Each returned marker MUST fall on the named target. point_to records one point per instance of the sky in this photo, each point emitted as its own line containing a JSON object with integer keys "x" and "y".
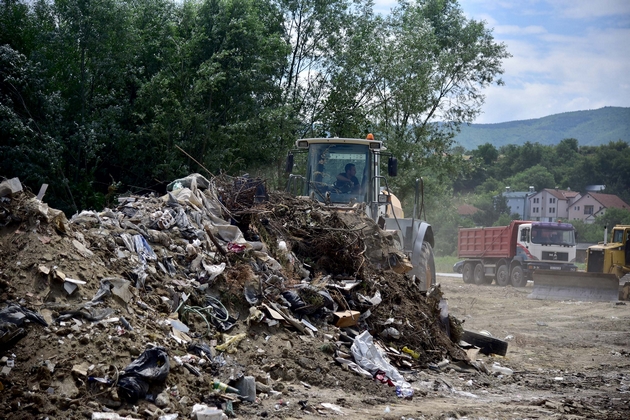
{"x": 567, "y": 55}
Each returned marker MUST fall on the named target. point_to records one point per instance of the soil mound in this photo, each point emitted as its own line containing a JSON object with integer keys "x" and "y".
{"x": 144, "y": 309}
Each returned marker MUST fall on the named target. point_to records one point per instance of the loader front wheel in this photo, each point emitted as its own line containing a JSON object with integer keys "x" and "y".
{"x": 426, "y": 266}
{"x": 467, "y": 273}
{"x": 503, "y": 276}
{"x": 518, "y": 278}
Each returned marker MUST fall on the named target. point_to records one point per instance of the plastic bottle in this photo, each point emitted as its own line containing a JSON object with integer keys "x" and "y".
{"x": 220, "y": 386}
{"x": 501, "y": 369}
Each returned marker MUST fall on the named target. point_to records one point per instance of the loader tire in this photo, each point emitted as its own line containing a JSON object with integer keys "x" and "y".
{"x": 479, "y": 276}
{"x": 518, "y": 278}
{"x": 467, "y": 273}
{"x": 426, "y": 266}
{"x": 487, "y": 345}
{"x": 503, "y": 275}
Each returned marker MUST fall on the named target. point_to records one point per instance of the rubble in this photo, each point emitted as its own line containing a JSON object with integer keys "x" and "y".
{"x": 143, "y": 308}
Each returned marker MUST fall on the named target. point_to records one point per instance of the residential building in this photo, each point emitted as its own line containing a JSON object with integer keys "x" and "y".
{"x": 594, "y": 204}
{"x": 517, "y": 202}
{"x": 551, "y": 204}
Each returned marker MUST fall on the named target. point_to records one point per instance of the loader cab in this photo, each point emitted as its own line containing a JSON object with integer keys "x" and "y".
{"x": 611, "y": 257}
{"x": 326, "y": 161}
{"x": 621, "y": 236}
{"x": 321, "y": 160}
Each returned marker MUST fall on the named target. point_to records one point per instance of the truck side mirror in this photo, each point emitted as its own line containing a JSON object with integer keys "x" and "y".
{"x": 392, "y": 166}
{"x": 289, "y": 166}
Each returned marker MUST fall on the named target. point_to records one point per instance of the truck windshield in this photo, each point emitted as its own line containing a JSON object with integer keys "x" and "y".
{"x": 339, "y": 170}
{"x": 552, "y": 236}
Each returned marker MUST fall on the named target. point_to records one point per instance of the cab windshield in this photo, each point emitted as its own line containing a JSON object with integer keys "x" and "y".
{"x": 551, "y": 236}
{"x": 618, "y": 236}
{"x": 327, "y": 175}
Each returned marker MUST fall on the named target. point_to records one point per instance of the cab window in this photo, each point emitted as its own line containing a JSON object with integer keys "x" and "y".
{"x": 525, "y": 235}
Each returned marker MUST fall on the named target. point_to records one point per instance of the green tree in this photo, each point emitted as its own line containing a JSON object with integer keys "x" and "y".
{"x": 612, "y": 217}
{"x": 217, "y": 95}
{"x": 492, "y": 207}
{"x": 487, "y": 153}
{"x": 434, "y": 67}
{"x": 27, "y": 113}
{"x": 537, "y": 176}
{"x": 587, "y": 233}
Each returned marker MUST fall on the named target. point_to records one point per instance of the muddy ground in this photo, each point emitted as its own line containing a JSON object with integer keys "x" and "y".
{"x": 570, "y": 359}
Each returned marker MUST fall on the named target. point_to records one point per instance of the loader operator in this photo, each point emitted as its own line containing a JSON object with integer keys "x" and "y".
{"x": 347, "y": 182}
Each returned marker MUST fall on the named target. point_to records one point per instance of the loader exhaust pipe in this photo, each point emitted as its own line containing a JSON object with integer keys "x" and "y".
{"x": 605, "y": 234}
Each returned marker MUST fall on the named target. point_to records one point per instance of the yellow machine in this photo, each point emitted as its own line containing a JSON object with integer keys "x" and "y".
{"x": 611, "y": 257}
{"x": 607, "y": 270}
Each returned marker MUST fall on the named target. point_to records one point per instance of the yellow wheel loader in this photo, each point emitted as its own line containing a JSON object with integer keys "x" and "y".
{"x": 607, "y": 271}
{"x": 611, "y": 257}
{"x": 345, "y": 174}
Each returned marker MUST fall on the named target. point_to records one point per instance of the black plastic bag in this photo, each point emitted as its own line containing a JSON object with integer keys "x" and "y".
{"x": 199, "y": 347}
{"x": 12, "y": 317}
{"x": 132, "y": 388}
{"x": 294, "y": 299}
{"x": 16, "y": 314}
{"x": 151, "y": 366}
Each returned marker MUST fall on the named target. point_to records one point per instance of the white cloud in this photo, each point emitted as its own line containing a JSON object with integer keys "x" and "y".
{"x": 567, "y": 55}
{"x": 519, "y": 30}
{"x": 558, "y": 65}
{"x": 586, "y": 9}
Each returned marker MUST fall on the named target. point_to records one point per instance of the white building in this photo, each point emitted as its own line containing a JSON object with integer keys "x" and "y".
{"x": 594, "y": 204}
{"x": 552, "y": 204}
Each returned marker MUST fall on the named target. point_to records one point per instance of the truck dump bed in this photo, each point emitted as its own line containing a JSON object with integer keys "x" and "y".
{"x": 488, "y": 242}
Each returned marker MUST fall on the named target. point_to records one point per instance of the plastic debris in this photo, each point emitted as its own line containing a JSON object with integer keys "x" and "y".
{"x": 231, "y": 342}
{"x": 151, "y": 366}
{"x": 370, "y": 358}
{"x": 501, "y": 370}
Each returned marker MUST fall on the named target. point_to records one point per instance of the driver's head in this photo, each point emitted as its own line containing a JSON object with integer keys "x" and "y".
{"x": 351, "y": 170}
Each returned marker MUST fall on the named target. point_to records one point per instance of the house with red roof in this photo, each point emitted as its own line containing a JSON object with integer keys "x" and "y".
{"x": 551, "y": 204}
{"x": 467, "y": 210}
{"x": 594, "y": 204}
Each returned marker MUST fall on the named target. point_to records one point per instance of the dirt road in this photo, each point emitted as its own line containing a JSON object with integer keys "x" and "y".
{"x": 570, "y": 360}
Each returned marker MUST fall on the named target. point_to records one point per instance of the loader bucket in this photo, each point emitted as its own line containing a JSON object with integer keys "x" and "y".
{"x": 565, "y": 285}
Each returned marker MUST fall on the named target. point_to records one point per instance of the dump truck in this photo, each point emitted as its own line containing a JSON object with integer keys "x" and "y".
{"x": 607, "y": 269}
{"x": 324, "y": 165}
{"x": 510, "y": 254}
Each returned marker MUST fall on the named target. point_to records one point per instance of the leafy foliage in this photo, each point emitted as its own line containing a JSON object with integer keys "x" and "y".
{"x": 102, "y": 96}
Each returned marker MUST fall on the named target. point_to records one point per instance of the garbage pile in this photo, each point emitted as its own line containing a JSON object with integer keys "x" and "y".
{"x": 215, "y": 298}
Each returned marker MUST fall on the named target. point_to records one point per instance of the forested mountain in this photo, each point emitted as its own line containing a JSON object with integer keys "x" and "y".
{"x": 591, "y": 128}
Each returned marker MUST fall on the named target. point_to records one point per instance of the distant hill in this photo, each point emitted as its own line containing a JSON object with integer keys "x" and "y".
{"x": 590, "y": 128}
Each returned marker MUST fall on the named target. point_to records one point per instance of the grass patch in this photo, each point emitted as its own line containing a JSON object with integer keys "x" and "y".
{"x": 445, "y": 264}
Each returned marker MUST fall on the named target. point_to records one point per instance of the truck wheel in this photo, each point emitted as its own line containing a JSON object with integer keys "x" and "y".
{"x": 518, "y": 279}
{"x": 503, "y": 276}
{"x": 479, "y": 275}
{"x": 467, "y": 273}
{"x": 426, "y": 266}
